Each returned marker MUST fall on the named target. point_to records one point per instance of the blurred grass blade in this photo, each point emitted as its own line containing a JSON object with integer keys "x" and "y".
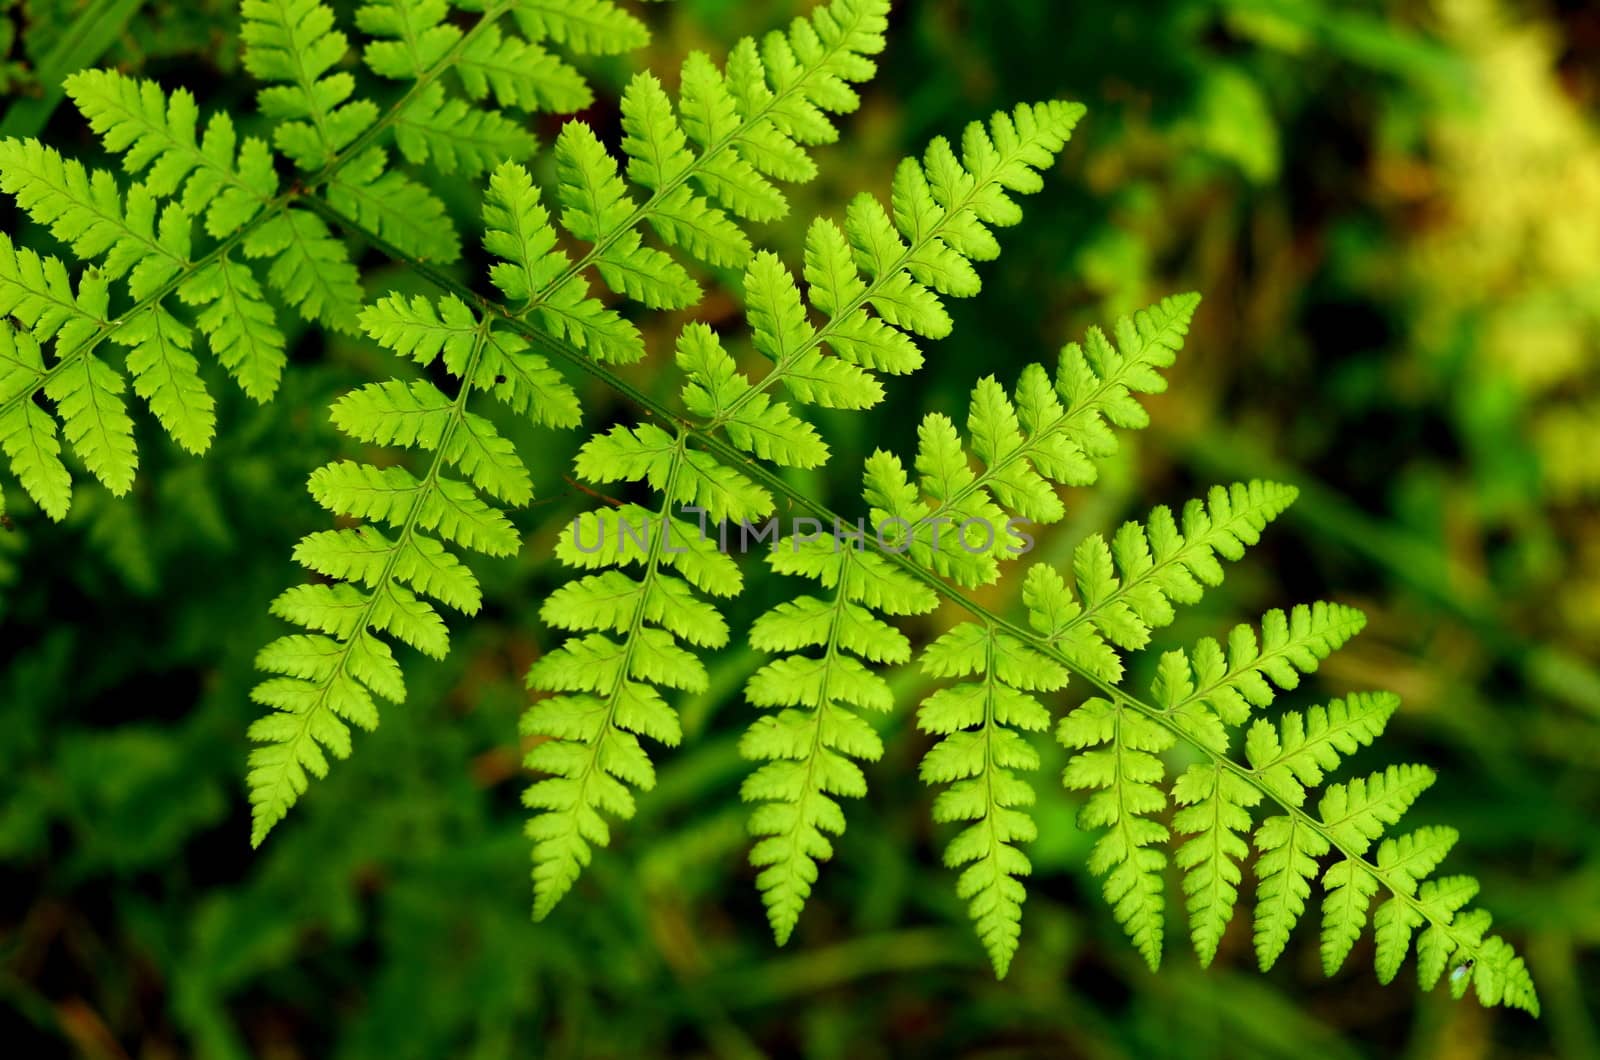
{"x": 81, "y": 45}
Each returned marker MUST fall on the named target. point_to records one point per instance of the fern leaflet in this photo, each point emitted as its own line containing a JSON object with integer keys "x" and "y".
{"x": 258, "y": 233}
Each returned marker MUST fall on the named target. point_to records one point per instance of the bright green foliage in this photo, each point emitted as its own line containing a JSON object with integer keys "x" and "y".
{"x": 521, "y": 74}
{"x": 292, "y": 44}
{"x": 1129, "y": 587}
{"x": 747, "y": 125}
{"x": 167, "y": 375}
{"x": 256, "y": 233}
{"x": 396, "y": 207}
{"x": 1049, "y": 432}
{"x": 1211, "y": 688}
{"x": 941, "y": 210}
{"x": 1117, "y": 759}
{"x": 610, "y": 690}
{"x": 599, "y": 27}
{"x": 810, "y": 746}
{"x": 1286, "y": 762}
{"x": 693, "y": 169}
{"x": 701, "y": 168}
{"x": 383, "y": 569}
{"x": 979, "y": 754}
{"x": 1216, "y": 805}
{"x": 751, "y": 419}
{"x": 869, "y": 285}
{"x": 1116, "y": 595}
{"x": 1302, "y": 747}
{"x": 212, "y": 174}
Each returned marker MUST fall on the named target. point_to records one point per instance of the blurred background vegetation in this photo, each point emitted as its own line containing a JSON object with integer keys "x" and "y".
{"x": 1393, "y": 211}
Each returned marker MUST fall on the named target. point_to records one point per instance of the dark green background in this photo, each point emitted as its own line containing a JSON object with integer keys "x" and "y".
{"x": 1394, "y": 214}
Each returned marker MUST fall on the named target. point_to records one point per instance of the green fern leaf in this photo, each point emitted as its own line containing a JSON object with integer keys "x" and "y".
{"x": 455, "y": 137}
{"x": 878, "y": 271}
{"x": 294, "y": 43}
{"x": 597, "y": 27}
{"x": 239, "y": 324}
{"x": 37, "y": 291}
{"x": 418, "y": 36}
{"x": 810, "y": 745}
{"x": 166, "y": 374}
{"x": 95, "y": 420}
{"x": 690, "y": 170}
{"x": 85, "y": 209}
{"x": 217, "y": 177}
{"x": 310, "y": 268}
{"x": 400, "y": 210}
{"x": 27, "y": 432}
{"x": 980, "y": 754}
{"x": 1216, "y": 812}
{"x": 756, "y": 424}
{"x": 1117, "y": 760}
{"x": 1289, "y": 848}
{"x": 378, "y": 576}
{"x": 1209, "y": 688}
{"x": 1344, "y": 911}
{"x": 521, "y": 74}
{"x": 203, "y": 169}
{"x": 1295, "y": 755}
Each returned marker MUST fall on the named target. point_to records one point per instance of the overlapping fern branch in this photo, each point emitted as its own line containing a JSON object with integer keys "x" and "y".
{"x": 151, "y": 279}
{"x": 715, "y": 160}
{"x": 874, "y": 284}
{"x": 1080, "y": 623}
{"x": 646, "y": 606}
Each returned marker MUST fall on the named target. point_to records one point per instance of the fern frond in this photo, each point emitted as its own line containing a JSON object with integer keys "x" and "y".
{"x": 1117, "y": 759}
{"x": 28, "y": 432}
{"x": 1130, "y": 586}
{"x": 85, "y": 209}
{"x": 810, "y": 746}
{"x": 38, "y": 292}
{"x": 167, "y": 375}
{"x": 205, "y": 170}
{"x": 328, "y": 677}
{"x": 378, "y": 577}
{"x": 639, "y": 608}
{"x": 86, "y": 392}
{"x": 1002, "y": 156}
{"x": 396, "y": 207}
{"x": 733, "y": 128}
{"x": 597, "y": 27}
{"x": 980, "y": 754}
{"x": 213, "y": 175}
{"x": 1049, "y": 436}
{"x": 961, "y": 200}
{"x": 294, "y": 45}
{"x": 1127, "y": 589}
{"x": 609, "y": 692}
{"x": 875, "y": 289}
{"x": 239, "y": 324}
{"x": 455, "y": 137}
{"x": 1285, "y": 762}
{"x": 1216, "y": 812}
{"x": 791, "y": 818}
{"x": 1211, "y": 687}
{"x": 521, "y": 74}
